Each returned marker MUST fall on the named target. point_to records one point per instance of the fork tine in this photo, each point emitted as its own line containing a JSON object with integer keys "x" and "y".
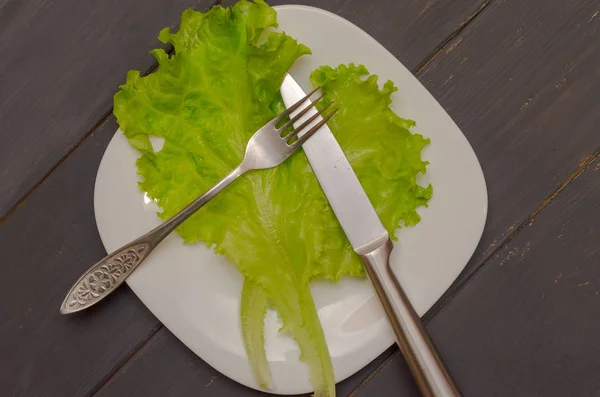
{"x": 307, "y": 122}
{"x": 295, "y": 106}
{"x": 312, "y": 131}
{"x": 300, "y": 114}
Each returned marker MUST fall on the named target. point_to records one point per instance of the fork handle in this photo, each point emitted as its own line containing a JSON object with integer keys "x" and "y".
{"x": 430, "y": 373}
{"x": 109, "y": 273}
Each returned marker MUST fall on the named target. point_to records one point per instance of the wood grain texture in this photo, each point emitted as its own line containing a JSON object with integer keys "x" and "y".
{"x": 526, "y": 324}
{"x": 45, "y": 246}
{"x": 522, "y": 82}
{"x": 48, "y": 111}
{"x": 61, "y": 63}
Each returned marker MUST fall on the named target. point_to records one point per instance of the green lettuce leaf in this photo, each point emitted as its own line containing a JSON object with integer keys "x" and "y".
{"x": 383, "y": 152}
{"x": 206, "y": 101}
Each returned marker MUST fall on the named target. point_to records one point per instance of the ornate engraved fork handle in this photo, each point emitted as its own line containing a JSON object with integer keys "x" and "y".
{"x": 104, "y": 277}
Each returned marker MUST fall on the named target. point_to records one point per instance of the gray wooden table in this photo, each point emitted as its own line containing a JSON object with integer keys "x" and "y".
{"x": 520, "y": 78}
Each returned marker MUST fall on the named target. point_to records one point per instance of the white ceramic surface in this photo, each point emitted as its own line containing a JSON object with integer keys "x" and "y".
{"x": 196, "y": 293}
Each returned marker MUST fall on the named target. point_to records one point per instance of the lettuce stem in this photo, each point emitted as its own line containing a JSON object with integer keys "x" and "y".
{"x": 253, "y": 309}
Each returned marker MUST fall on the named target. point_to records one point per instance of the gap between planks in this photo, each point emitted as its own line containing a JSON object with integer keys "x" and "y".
{"x": 507, "y": 239}
{"x": 444, "y": 45}
{"x": 55, "y": 167}
{"x": 132, "y": 354}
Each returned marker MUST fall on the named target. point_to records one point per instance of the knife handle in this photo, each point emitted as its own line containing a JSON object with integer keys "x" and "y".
{"x": 425, "y": 363}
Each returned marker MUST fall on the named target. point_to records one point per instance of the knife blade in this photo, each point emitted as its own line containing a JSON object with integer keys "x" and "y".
{"x": 372, "y": 243}
{"x": 348, "y": 199}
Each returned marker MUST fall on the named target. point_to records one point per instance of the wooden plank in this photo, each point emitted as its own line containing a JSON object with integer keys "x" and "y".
{"x": 526, "y": 325}
{"x": 525, "y": 92}
{"x": 42, "y": 352}
{"x": 45, "y": 245}
{"x": 61, "y": 63}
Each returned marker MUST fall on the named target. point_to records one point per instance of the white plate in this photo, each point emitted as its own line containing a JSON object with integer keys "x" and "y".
{"x": 196, "y": 293}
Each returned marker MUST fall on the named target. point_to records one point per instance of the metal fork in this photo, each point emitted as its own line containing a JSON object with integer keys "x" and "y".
{"x": 267, "y": 148}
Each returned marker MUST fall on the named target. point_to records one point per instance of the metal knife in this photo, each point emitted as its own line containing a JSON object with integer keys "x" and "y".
{"x": 371, "y": 241}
